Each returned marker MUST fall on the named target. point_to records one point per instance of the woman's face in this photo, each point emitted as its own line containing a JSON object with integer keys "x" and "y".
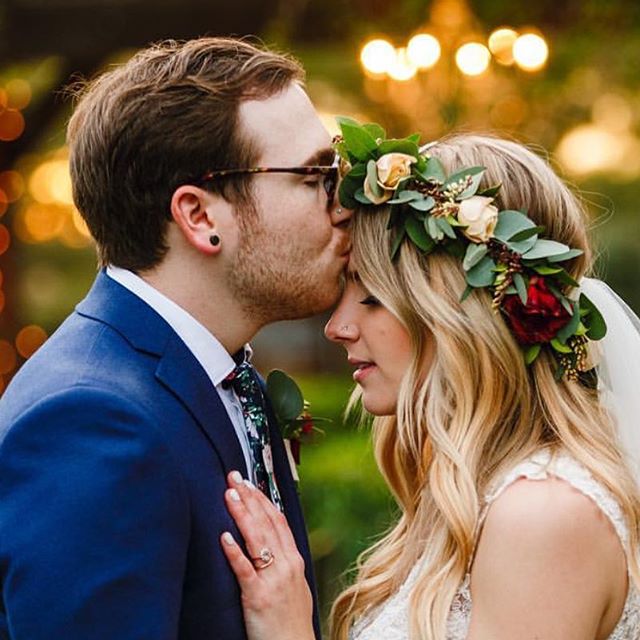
{"x": 377, "y": 345}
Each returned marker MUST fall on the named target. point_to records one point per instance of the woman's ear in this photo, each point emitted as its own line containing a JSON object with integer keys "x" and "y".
{"x": 195, "y": 211}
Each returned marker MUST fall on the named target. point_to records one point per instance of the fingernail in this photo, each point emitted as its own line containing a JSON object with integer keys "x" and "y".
{"x": 236, "y": 476}
{"x": 228, "y": 538}
{"x": 249, "y": 484}
{"x": 234, "y": 495}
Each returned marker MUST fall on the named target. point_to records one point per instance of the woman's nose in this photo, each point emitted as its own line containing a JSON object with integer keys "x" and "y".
{"x": 338, "y": 330}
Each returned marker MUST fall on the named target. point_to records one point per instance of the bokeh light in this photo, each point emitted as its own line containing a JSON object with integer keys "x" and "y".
{"x": 8, "y": 357}
{"x": 40, "y": 223}
{"x": 530, "y": 51}
{"x": 423, "y": 50}
{"x": 4, "y": 202}
{"x": 18, "y": 93}
{"x": 402, "y": 68}
{"x": 377, "y": 56}
{"x": 590, "y": 149}
{"x": 11, "y": 125}
{"x": 29, "y": 340}
{"x": 12, "y": 184}
{"x": 501, "y": 43}
{"x": 50, "y": 183}
{"x": 473, "y": 58}
{"x": 613, "y": 112}
{"x": 5, "y": 239}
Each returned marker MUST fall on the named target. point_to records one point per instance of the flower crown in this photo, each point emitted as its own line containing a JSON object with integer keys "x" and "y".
{"x": 501, "y": 251}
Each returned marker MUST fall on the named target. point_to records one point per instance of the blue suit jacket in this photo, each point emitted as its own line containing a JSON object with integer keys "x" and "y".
{"x": 114, "y": 451}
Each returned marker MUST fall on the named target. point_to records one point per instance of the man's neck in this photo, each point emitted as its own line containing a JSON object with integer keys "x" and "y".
{"x": 211, "y": 305}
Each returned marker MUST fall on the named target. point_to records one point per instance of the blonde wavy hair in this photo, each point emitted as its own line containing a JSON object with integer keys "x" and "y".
{"x": 478, "y": 410}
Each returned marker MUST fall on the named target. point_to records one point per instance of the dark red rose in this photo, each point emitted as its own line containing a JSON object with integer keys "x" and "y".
{"x": 307, "y": 426}
{"x": 541, "y": 318}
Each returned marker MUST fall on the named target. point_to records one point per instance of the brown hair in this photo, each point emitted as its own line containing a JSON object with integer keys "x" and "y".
{"x": 162, "y": 119}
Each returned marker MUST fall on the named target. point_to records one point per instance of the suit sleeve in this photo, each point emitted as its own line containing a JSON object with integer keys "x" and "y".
{"x": 93, "y": 522}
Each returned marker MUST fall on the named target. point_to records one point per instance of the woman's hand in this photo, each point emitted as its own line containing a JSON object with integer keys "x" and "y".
{"x": 276, "y": 599}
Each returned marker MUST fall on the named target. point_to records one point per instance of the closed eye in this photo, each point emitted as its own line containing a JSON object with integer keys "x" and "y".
{"x": 370, "y": 301}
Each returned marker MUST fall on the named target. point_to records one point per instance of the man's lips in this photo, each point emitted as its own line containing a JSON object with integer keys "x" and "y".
{"x": 363, "y": 368}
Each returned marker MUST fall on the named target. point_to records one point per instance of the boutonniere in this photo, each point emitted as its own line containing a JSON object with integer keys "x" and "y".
{"x": 296, "y": 423}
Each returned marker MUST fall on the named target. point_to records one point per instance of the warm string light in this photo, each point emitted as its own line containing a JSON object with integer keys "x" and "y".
{"x": 529, "y": 51}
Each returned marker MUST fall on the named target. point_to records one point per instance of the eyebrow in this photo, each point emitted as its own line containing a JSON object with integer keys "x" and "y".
{"x": 322, "y": 157}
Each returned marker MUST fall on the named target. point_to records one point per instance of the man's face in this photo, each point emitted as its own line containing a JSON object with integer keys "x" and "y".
{"x": 290, "y": 260}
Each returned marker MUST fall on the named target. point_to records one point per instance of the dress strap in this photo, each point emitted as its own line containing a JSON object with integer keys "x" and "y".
{"x": 545, "y": 464}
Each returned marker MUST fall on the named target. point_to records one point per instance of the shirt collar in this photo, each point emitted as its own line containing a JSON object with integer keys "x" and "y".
{"x": 207, "y": 350}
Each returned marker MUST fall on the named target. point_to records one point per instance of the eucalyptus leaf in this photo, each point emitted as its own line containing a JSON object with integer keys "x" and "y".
{"x": 596, "y": 325}
{"x": 559, "y": 347}
{"x": 358, "y": 170}
{"x": 349, "y": 186}
{"x": 526, "y": 234}
{"x": 398, "y": 237}
{"x": 396, "y": 145}
{"x": 532, "y": 353}
{"x": 573, "y": 253}
{"x": 490, "y": 192}
{"x": 564, "y": 278}
{"x": 424, "y": 204}
{"x": 360, "y": 142}
{"x": 482, "y": 274}
{"x": 372, "y": 179}
{"x": 544, "y": 270}
{"x": 570, "y": 328}
{"x": 418, "y": 234}
{"x": 434, "y": 171}
{"x": 286, "y": 398}
{"x": 375, "y": 130}
{"x": 511, "y": 223}
{"x": 476, "y": 174}
{"x": 406, "y": 196}
{"x": 447, "y": 229}
{"x": 434, "y": 230}
{"x": 545, "y": 249}
{"x": 465, "y": 294}
{"x": 360, "y": 197}
{"x": 475, "y": 253}
{"x": 521, "y": 287}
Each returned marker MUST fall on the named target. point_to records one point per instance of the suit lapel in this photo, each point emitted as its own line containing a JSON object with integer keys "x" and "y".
{"x": 178, "y": 370}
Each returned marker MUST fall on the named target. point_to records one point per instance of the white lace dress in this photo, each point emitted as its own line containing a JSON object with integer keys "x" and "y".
{"x": 390, "y": 621}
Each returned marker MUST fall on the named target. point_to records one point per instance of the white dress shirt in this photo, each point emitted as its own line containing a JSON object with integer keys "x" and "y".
{"x": 208, "y": 351}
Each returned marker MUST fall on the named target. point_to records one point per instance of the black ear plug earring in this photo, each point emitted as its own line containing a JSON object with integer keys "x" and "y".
{"x": 215, "y": 239}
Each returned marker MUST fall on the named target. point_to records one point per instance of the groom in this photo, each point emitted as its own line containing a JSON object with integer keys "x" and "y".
{"x": 117, "y": 436}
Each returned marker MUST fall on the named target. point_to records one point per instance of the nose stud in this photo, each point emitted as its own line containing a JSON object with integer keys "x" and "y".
{"x": 338, "y": 211}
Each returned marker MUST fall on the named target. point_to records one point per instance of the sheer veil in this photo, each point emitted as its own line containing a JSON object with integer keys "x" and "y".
{"x": 619, "y": 367}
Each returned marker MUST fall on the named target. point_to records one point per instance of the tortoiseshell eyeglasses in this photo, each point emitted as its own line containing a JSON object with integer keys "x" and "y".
{"x": 330, "y": 173}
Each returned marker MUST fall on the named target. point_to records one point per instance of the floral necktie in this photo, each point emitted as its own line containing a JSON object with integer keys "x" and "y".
{"x": 244, "y": 382}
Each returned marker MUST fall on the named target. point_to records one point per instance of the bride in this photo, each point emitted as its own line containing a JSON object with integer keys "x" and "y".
{"x": 474, "y": 334}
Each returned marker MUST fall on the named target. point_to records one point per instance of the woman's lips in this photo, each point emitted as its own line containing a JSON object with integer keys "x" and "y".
{"x": 363, "y": 369}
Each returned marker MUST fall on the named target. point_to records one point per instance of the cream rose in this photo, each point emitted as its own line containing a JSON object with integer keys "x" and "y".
{"x": 479, "y": 216}
{"x": 390, "y": 169}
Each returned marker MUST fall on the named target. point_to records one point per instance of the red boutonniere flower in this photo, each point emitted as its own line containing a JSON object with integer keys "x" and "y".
{"x": 540, "y": 319}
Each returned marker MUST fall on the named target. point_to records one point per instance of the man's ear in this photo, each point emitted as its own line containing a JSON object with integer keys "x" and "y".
{"x": 194, "y": 211}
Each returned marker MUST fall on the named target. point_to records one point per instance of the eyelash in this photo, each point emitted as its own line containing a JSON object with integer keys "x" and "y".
{"x": 370, "y": 301}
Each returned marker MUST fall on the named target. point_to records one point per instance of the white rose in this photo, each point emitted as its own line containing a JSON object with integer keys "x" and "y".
{"x": 479, "y": 216}
{"x": 390, "y": 169}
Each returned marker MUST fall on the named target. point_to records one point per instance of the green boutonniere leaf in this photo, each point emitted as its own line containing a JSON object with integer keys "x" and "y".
{"x": 286, "y": 398}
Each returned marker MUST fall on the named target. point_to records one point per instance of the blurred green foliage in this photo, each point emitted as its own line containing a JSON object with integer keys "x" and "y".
{"x": 346, "y": 503}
